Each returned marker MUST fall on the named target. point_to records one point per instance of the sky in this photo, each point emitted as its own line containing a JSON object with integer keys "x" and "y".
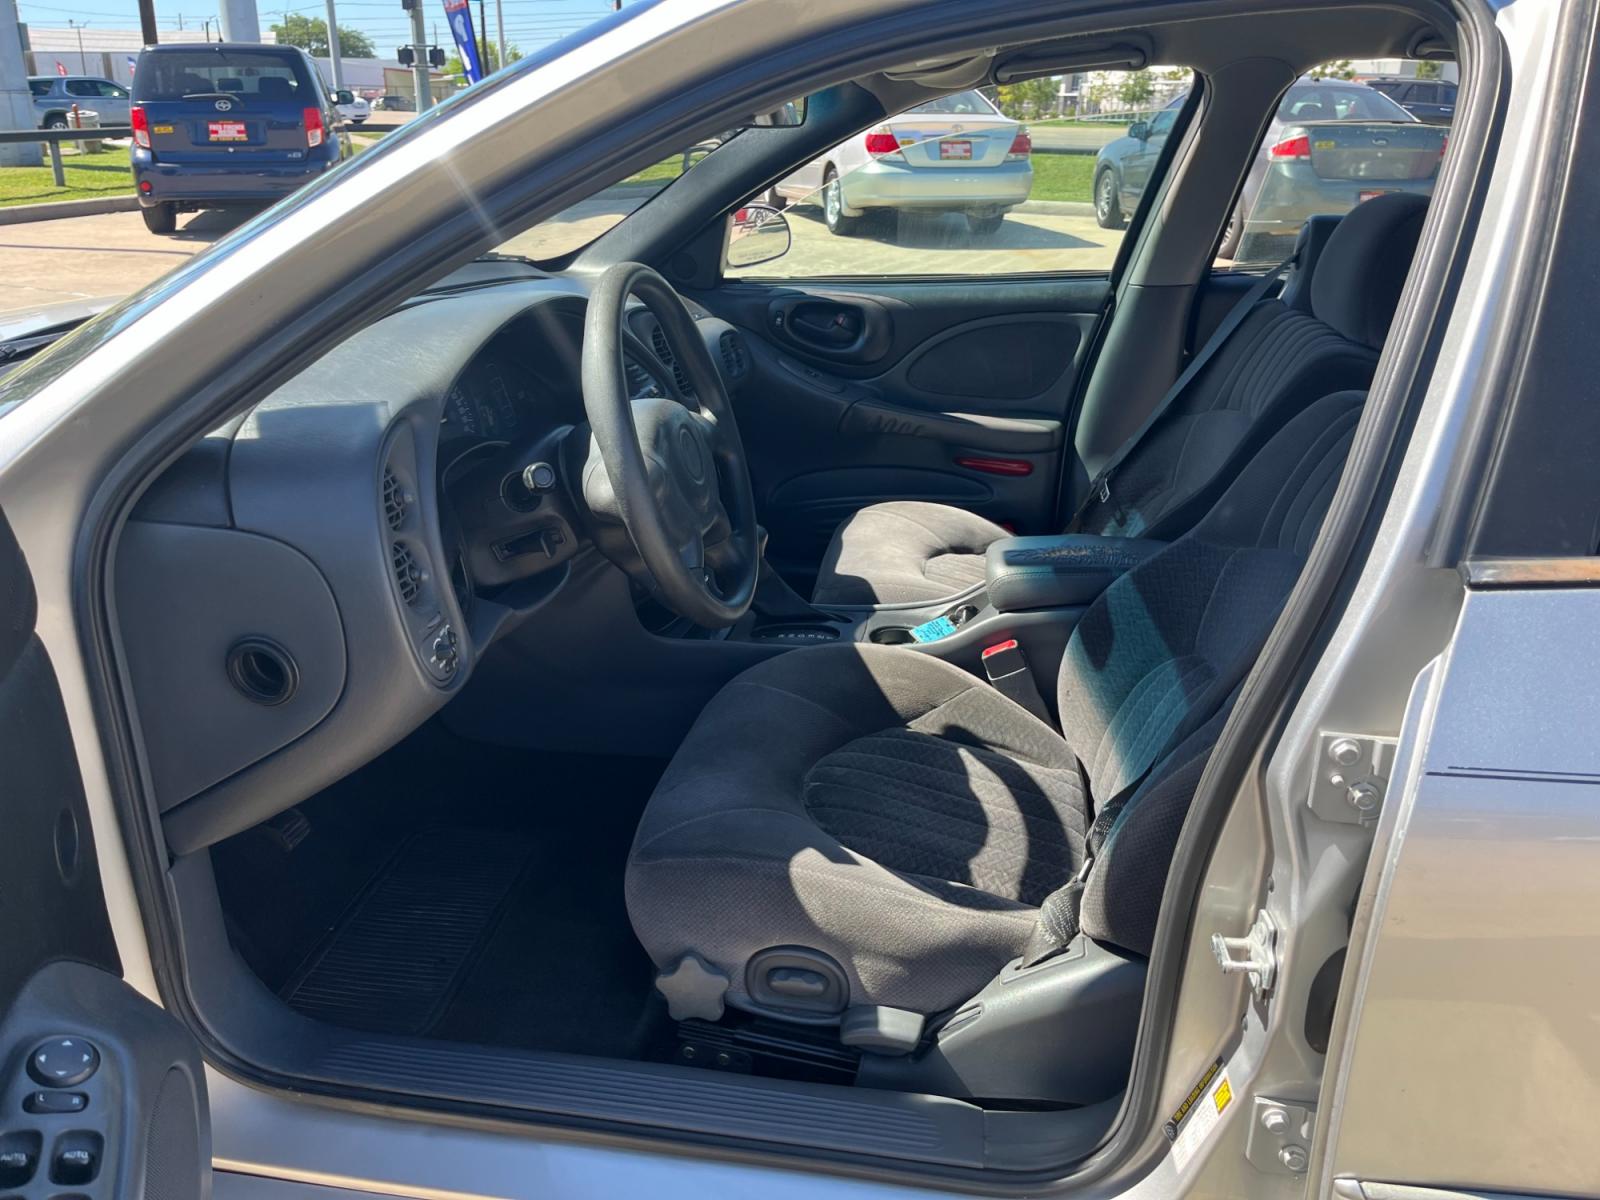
{"x": 530, "y": 24}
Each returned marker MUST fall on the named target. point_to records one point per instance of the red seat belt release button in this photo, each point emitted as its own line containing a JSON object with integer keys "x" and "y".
{"x": 1008, "y": 671}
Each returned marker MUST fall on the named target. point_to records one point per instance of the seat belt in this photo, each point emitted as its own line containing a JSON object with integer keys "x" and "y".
{"x": 1058, "y": 915}
{"x": 1100, "y": 489}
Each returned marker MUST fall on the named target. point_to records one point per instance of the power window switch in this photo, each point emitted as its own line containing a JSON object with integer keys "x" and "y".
{"x": 74, "y": 1165}
{"x": 55, "y": 1102}
{"x": 16, "y": 1166}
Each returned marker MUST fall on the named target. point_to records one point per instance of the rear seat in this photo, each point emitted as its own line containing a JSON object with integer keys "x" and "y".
{"x": 1322, "y": 336}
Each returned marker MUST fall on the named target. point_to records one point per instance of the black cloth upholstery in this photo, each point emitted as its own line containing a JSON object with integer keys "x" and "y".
{"x": 1281, "y": 358}
{"x": 901, "y": 816}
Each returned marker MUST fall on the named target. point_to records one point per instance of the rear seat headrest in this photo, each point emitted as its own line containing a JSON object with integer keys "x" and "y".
{"x": 1360, "y": 273}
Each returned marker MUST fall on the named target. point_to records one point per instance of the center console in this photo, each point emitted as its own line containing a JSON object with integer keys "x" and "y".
{"x": 1034, "y": 591}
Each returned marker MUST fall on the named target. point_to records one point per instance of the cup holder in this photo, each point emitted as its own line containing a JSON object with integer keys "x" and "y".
{"x": 262, "y": 671}
{"x": 891, "y": 635}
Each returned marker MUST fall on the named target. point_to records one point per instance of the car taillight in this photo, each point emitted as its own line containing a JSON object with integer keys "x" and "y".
{"x": 141, "y": 127}
{"x": 881, "y": 141}
{"x": 313, "y": 120}
{"x": 1021, "y": 146}
{"x": 1296, "y": 147}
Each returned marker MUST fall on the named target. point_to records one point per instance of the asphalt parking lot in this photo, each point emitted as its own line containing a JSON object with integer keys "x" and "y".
{"x": 112, "y": 254}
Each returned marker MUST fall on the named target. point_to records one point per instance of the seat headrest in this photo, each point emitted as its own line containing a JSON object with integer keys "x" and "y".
{"x": 1361, "y": 271}
{"x": 1308, "y": 248}
{"x": 274, "y": 87}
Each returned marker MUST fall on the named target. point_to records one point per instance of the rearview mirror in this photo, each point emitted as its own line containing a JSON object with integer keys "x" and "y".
{"x": 1140, "y": 130}
{"x": 757, "y": 233}
{"x": 786, "y": 116}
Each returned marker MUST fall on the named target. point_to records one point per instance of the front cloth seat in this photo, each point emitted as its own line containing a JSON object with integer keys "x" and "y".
{"x": 1280, "y": 358}
{"x": 880, "y": 815}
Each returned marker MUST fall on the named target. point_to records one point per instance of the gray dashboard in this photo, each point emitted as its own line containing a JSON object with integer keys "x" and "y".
{"x": 290, "y": 599}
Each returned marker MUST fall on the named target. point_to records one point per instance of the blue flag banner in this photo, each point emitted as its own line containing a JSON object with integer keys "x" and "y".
{"x": 459, "y": 14}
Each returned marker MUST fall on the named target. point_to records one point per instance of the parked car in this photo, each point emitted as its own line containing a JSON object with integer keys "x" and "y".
{"x": 226, "y": 124}
{"x": 54, "y": 96}
{"x": 1430, "y": 100}
{"x": 955, "y": 154}
{"x": 1330, "y": 145}
{"x": 351, "y": 107}
{"x": 394, "y": 103}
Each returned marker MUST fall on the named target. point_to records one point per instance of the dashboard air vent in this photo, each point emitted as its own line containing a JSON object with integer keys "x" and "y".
{"x": 407, "y": 572}
{"x": 734, "y": 355}
{"x": 658, "y": 343}
{"x": 640, "y": 382}
{"x": 395, "y": 501}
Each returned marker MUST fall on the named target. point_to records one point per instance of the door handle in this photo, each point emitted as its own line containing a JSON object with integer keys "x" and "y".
{"x": 850, "y": 330}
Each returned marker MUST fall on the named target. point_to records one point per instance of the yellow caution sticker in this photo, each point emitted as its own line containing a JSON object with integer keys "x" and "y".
{"x": 1223, "y": 1094}
{"x": 163, "y": 128}
{"x": 1325, "y": 144}
{"x": 1200, "y": 1114}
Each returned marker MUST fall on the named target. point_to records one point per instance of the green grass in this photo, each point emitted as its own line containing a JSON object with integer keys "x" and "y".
{"x": 88, "y": 175}
{"x": 1063, "y": 177}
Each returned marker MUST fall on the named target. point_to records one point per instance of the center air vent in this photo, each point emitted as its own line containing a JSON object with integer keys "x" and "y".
{"x": 408, "y": 574}
{"x": 658, "y": 343}
{"x": 734, "y": 355}
{"x": 395, "y": 500}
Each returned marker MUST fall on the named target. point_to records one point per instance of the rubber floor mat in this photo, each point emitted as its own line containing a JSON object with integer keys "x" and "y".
{"x": 394, "y": 961}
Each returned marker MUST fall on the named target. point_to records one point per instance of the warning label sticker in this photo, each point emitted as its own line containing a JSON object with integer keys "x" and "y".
{"x": 1199, "y": 1114}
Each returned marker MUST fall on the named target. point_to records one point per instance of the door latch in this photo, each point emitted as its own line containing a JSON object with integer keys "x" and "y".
{"x": 1255, "y": 954}
{"x": 1352, "y": 777}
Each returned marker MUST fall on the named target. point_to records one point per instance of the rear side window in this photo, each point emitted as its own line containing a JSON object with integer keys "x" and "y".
{"x": 173, "y": 75}
{"x": 39, "y": 87}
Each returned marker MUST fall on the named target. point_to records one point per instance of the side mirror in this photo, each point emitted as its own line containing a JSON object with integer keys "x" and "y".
{"x": 757, "y": 233}
{"x": 344, "y": 96}
{"x": 1140, "y": 130}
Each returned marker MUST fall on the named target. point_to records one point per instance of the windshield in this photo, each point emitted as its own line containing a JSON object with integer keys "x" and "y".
{"x": 1312, "y": 103}
{"x": 575, "y": 227}
{"x": 172, "y": 75}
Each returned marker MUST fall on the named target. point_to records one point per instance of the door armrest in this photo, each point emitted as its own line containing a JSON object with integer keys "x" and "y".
{"x": 1064, "y": 571}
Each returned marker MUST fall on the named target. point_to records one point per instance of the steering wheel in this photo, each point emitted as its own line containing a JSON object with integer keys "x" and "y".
{"x": 671, "y": 470}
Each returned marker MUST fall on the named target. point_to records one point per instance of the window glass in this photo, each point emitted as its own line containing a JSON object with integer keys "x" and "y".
{"x": 172, "y": 75}
{"x": 577, "y": 226}
{"x": 1332, "y": 144}
{"x": 1040, "y": 176}
{"x": 82, "y": 87}
{"x": 39, "y": 87}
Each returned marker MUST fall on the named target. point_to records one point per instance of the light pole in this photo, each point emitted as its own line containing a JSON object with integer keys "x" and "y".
{"x": 333, "y": 48}
{"x": 500, "y": 29}
{"x": 79, "y": 27}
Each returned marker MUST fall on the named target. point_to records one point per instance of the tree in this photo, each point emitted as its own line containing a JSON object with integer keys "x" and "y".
{"x": 1429, "y": 70}
{"x": 1030, "y": 98}
{"x": 311, "y": 35}
{"x": 1339, "y": 68}
{"x": 1136, "y": 88}
{"x": 453, "y": 64}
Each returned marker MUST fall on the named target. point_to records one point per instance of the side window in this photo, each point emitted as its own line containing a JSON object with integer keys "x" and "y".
{"x": 1332, "y": 144}
{"x": 39, "y": 87}
{"x": 1037, "y": 177}
{"x": 115, "y": 91}
{"x": 82, "y": 87}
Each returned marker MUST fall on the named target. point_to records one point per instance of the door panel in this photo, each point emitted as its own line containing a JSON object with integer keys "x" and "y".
{"x": 957, "y": 392}
{"x": 102, "y": 1095}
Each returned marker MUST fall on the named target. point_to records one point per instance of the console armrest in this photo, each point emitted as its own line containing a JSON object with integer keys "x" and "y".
{"x": 1059, "y": 572}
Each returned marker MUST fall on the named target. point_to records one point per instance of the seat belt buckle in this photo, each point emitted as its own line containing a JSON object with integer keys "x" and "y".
{"x": 1007, "y": 670}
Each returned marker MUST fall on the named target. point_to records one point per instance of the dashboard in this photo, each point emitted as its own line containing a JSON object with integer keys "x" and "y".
{"x": 311, "y": 582}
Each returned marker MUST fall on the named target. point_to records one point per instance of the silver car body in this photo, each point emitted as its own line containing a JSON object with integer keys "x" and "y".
{"x": 1418, "y": 1095}
{"x": 54, "y": 96}
{"x": 951, "y": 156}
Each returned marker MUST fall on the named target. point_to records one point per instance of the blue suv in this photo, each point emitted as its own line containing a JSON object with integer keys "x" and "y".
{"x": 225, "y": 124}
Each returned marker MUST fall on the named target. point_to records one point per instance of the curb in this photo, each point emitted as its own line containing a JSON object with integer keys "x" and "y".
{"x": 19, "y": 214}
{"x": 1059, "y": 208}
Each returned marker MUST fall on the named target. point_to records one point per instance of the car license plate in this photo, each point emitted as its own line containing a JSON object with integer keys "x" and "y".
{"x": 227, "y": 131}
{"x": 1365, "y": 196}
{"x": 961, "y": 150}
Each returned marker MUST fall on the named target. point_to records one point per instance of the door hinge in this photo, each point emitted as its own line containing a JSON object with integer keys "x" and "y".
{"x": 1255, "y": 954}
{"x": 1351, "y": 778}
{"x": 1279, "y": 1140}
